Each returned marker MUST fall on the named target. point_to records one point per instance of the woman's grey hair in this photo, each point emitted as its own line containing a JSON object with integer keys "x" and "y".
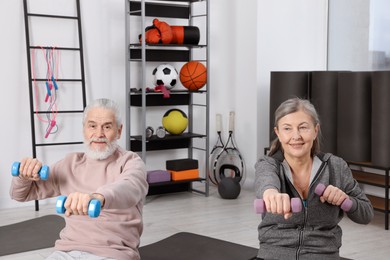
{"x": 291, "y": 106}
{"x": 106, "y": 104}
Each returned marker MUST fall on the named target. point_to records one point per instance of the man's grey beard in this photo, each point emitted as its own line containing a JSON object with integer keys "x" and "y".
{"x": 100, "y": 155}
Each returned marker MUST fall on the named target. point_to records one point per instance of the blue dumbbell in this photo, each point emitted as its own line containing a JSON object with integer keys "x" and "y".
{"x": 43, "y": 172}
{"x": 94, "y": 207}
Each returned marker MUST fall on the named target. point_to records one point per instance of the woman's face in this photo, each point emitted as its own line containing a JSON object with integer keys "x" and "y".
{"x": 296, "y": 133}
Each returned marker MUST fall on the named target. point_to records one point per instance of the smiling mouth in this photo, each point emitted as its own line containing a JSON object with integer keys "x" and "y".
{"x": 98, "y": 141}
{"x": 296, "y": 145}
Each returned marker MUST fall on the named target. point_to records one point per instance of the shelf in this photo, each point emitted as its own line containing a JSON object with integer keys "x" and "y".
{"x": 154, "y": 9}
{"x": 157, "y": 99}
{"x": 172, "y": 186}
{"x": 176, "y": 98}
{"x": 374, "y": 179}
{"x": 370, "y": 178}
{"x": 174, "y": 182}
{"x": 369, "y": 165}
{"x": 378, "y": 203}
{"x": 160, "y": 45}
{"x": 161, "y": 55}
{"x": 141, "y": 58}
{"x": 168, "y": 142}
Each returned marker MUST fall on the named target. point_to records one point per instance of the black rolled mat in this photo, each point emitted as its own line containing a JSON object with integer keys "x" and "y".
{"x": 354, "y": 116}
{"x": 323, "y": 95}
{"x": 380, "y": 147}
{"x": 191, "y": 246}
{"x": 285, "y": 85}
{"x": 30, "y": 235}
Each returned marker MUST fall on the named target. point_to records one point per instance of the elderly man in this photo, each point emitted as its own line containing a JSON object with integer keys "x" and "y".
{"x": 106, "y": 172}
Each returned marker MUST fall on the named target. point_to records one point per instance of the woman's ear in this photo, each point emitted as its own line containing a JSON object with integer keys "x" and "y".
{"x": 316, "y": 130}
{"x": 276, "y": 131}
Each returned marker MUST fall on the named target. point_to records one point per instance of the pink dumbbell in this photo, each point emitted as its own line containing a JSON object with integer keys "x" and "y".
{"x": 347, "y": 203}
{"x": 259, "y": 205}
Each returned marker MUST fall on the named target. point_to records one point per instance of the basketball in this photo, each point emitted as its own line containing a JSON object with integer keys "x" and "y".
{"x": 193, "y": 75}
{"x": 175, "y": 121}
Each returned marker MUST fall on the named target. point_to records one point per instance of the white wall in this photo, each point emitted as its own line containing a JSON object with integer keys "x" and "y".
{"x": 247, "y": 42}
{"x": 349, "y": 35}
{"x": 234, "y": 73}
{"x": 104, "y": 53}
{"x": 292, "y": 36}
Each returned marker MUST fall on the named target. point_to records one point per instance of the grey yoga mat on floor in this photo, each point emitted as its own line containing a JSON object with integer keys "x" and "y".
{"x": 30, "y": 235}
{"x": 286, "y": 85}
{"x": 354, "y": 116}
{"x": 191, "y": 246}
{"x": 380, "y": 147}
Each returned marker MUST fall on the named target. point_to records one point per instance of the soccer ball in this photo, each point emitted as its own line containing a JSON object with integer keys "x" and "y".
{"x": 165, "y": 75}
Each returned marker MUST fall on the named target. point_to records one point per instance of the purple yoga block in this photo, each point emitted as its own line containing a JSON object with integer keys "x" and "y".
{"x": 158, "y": 176}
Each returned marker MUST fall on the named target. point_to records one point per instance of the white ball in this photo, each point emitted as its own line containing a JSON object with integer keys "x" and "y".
{"x": 166, "y": 75}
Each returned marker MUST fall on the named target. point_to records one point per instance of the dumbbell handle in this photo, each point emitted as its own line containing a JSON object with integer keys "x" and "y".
{"x": 347, "y": 203}
{"x": 259, "y": 205}
{"x": 94, "y": 206}
{"x": 43, "y": 172}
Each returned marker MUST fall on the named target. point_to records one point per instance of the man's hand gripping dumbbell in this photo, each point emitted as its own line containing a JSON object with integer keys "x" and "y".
{"x": 80, "y": 204}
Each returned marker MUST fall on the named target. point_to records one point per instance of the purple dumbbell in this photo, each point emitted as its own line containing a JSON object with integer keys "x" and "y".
{"x": 259, "y": 205}
{"x": 347, "y": 203}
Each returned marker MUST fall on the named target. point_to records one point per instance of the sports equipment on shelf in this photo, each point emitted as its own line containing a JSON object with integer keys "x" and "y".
{"x": 193, "y": 75}
{"x": 347, "y": 203}
{"x": 259, "y": 205}
{"x": 162, "y": 32}
{"x": 149, "y": 131}
{"x": 94, "y": 206}
{"x": 175, "y": 121}
{"x": 43, "y": 172}
{"x": 165, "y": 75}
{"x": 160, "y": 132}
{"x": 229, "y": 162}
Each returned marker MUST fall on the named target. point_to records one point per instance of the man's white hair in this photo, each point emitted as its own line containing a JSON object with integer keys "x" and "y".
{"x": 106, "y": 104}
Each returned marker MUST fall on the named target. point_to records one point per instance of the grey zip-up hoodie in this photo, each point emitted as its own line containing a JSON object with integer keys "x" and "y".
{"x": 313, "y": 233}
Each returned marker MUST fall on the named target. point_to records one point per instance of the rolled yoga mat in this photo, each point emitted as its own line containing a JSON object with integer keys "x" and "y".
{"x": 286, "y": 85}
{"x": 323, "y": 95}
{"x": 354, "y": 116}
{"x": 380, "y": 118}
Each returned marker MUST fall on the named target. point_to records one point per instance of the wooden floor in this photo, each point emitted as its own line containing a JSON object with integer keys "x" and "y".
{"x": 231, "y": 220}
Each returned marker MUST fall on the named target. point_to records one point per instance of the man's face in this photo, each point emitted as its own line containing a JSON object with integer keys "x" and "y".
{"x": 101, "y": 132}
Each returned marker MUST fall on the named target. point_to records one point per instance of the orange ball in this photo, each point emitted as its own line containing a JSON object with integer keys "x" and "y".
{"x": 193, "y": 75}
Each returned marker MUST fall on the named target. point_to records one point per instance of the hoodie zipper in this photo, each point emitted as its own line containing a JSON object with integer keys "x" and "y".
{"x": 302, "y": 228}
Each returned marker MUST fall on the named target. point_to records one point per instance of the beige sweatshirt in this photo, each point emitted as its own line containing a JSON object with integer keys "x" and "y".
{"x": 121, "y": 179}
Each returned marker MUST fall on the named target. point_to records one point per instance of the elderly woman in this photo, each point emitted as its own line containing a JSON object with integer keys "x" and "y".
{"x": 293, "y": 169}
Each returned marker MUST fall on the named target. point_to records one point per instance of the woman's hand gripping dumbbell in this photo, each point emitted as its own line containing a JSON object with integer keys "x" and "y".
{"x": 280, "y": 204}
{"x": 343, "y": 201}
{"x": 260, "y": 208}
{"x": 79, "y": 204}
{"x": 43, "y": 172}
